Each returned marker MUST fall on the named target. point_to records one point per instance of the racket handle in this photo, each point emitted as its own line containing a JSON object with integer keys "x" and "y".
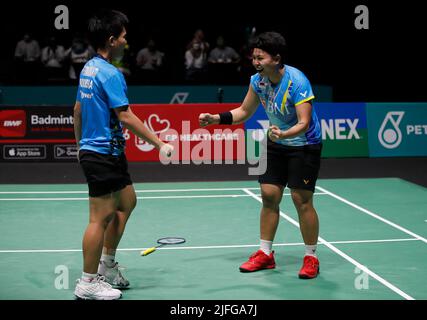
{"x": 148, "y": 251}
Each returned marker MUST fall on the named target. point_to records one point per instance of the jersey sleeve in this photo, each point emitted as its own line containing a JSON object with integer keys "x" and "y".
{"x": 302, "y": 91}
{"x": 116, "y": 91}
{"x": 254, "y": 83}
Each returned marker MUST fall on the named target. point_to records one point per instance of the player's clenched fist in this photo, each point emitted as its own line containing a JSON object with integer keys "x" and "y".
{"x": 274, "y": 133}
{"x": 206, "y": 119}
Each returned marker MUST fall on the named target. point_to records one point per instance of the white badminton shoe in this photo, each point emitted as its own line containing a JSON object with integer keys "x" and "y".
{"x": 97, "y": 289}
{"x": 113, "y": 275}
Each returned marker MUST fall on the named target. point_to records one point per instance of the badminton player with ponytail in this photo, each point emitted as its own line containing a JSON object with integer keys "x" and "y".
{"x": 100, "y": 113}
{"x": 293, "y": 147}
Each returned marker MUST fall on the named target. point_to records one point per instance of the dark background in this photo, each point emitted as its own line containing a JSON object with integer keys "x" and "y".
{"x": 386, "y": 63}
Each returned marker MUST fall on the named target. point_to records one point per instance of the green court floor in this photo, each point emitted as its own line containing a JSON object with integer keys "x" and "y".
{"x": 373, "y": 242}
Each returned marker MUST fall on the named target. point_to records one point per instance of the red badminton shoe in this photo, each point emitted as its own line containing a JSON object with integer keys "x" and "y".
{"x": 310, "y": 268}
{"x": 258, "y": 261}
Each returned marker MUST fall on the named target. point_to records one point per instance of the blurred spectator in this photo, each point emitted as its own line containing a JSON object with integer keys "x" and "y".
{"x": 78, "y": 54}
{"x": 223, "y": 62}
{"x": 52, "y": 57}
{"x": 195, "y": 63}
{"x": 199, "y": 36}
{"x": 27, "y": 55}
{"x": 28, "y": 49}
{"x": 149, "y": 62}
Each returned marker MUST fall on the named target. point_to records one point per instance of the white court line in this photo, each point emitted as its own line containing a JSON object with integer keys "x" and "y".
{"x": 373, "y": 215}
{"x": 137, "y": 191}
{"x": 342, "y": 254}
{"x": 210, "y": 247}
{"x": 141, "y": 198}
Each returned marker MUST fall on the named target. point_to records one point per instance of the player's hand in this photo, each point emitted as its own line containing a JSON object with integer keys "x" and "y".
{"x": 167, "y": 150}
{"x": 206, "y": 119}
{"x": 274, "y": 133}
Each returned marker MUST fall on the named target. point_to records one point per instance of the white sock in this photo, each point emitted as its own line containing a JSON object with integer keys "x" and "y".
{"x": 310, "y": 250}
{"x": 88, "y": 277}
{"x": 108, "y": 259}
{"x": 266, "y": 246}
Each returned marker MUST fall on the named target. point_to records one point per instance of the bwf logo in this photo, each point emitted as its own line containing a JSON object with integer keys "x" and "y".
{"x": 12, "y": 123}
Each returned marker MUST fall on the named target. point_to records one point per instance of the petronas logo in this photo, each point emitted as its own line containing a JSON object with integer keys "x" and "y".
{"x": 389, "y": 134}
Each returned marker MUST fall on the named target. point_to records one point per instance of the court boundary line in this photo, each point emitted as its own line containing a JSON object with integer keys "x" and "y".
{"x": 141, "y": 198}
{"x": 290, "y": 244}
{"x": 374, "y": 215}
{"x": 137, "y": 191}
{"x": 343, "y": 255}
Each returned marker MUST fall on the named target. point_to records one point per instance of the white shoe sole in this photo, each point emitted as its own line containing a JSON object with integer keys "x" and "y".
{"x": 104, "y": 298}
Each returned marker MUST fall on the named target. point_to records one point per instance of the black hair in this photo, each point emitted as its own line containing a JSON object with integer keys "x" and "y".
{"x": 271, "y": 42}
{"x": 103, "y": 25}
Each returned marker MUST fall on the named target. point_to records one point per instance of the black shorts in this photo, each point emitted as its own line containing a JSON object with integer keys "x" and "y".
{"x": 295, "y": 167}
{"x": 104, "y": 173}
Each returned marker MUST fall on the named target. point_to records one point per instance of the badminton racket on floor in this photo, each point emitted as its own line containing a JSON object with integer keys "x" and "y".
{"x": 163, "y": 242}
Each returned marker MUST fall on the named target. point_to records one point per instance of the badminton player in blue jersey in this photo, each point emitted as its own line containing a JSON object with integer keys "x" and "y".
{"x": 100, "y": 113}
{"x": 293, "y": 147}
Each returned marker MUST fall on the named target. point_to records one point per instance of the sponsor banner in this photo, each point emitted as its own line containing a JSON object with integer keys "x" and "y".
{"x": 178, "y": 124}
{"x": 36, "y": 122}
{"x": 344, "y": 129}
{"x": 397, "y": 129}
{"x": 41, "y": 133}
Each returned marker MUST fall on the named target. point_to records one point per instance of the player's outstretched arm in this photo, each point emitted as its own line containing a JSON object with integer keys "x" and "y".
{"x": 239, "y": 115}
{"x": 133, "y": 123}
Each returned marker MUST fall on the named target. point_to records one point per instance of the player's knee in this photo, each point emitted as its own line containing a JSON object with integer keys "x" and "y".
{"x": 301, "y": 202}
{"x": 102, "y": 219}
{"x": 270, "y": 200}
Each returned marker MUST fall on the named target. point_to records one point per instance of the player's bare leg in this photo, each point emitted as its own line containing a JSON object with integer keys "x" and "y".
{"x": 309, "y": 226}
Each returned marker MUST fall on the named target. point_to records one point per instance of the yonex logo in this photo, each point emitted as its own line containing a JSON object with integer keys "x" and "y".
{"x": 303, "y": 94}
{"x": 340, "y": 129}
